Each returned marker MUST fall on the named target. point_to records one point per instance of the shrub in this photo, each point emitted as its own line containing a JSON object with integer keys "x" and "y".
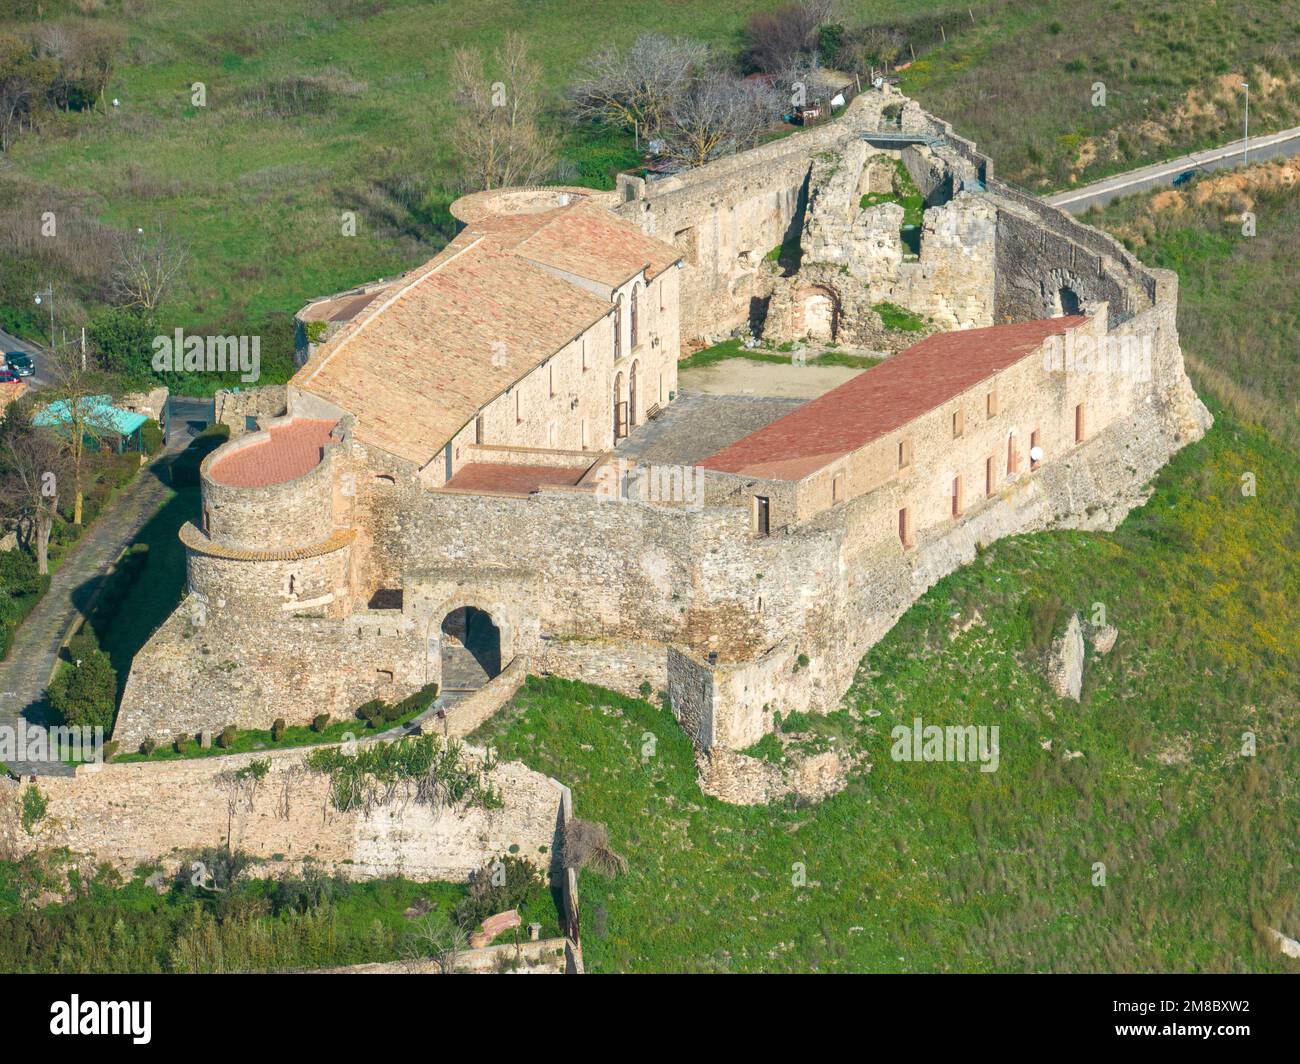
{"x": 34, "y": 807}
{"x": 277, "y": 730}
{"x": 151, "y": 437}
{"x": 227, "y": 737}
{"x": 508, "y": 882}
{"x": 86, "y": 694}
{"x": 320, "y": 722}
{"x": 586, "y": 844}
{"x": 645, "y": 689}
{"x": 147, "y": 747}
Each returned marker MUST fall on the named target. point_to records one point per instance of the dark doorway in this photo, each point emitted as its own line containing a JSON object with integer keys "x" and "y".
{"x": 1069, "y": 301}
{"x": 471, "y": 649}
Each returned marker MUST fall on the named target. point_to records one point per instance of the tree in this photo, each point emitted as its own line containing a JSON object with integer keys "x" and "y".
{"x": 76, "y": 382}
{"x": 145, "y": 266}
{"x": 31, "y": 463}
{"x": 86, "y": 694}
{"x": 636, "y": 88}
{"x": 24, "y": 80}
{"x": 123, "y": 337}
{"x": 719, "y": 115}
{"x": 775, "y": 39}
{"x": 497, "y": 134}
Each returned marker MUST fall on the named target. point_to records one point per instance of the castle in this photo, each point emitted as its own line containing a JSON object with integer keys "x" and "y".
{"x": 485, "y": 467}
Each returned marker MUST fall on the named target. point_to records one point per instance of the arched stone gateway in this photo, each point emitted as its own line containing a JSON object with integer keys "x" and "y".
{"x": 820, "y": 314}
{"x": 470, "y": 647}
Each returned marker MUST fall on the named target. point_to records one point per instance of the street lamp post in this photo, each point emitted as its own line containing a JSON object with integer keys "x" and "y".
{"x": 48, "y": 294}
{"x": 1245, "y": 152}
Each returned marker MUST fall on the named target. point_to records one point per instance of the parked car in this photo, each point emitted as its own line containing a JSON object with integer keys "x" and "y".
{"x": 1183, "y": 178}
{"x": 20, "y": 362}
{"x": 8, "y": 376}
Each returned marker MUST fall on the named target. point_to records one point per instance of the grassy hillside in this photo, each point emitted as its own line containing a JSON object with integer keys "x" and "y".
{"x": 938, "y": 867}
{"x": 342, "y": 105}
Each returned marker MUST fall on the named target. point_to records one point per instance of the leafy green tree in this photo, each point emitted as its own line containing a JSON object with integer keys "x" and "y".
{"x": 85, "y": 694}
{"x": 124, "y": 338}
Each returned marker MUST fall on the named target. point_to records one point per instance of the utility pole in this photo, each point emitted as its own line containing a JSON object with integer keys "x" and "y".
{"x": 1245, "y": 153}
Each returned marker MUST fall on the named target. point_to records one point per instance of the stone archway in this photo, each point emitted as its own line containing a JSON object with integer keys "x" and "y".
{"x": 818, "y": 312}
{"x": 470, "y": 647}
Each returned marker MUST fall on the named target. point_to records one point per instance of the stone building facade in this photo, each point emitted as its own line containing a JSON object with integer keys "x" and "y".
{"x": 458, "y": 444}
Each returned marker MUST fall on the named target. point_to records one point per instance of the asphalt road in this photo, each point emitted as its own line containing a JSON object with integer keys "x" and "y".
{"x": 1161, "y": 175}
{"x": 12, "y": 343}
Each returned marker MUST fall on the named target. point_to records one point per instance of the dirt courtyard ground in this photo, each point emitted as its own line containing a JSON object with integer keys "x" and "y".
{"x": 742, "y": 376}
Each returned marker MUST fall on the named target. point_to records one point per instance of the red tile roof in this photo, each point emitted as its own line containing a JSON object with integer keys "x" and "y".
{"x": 883, "y": 398}
{"x": 292, "y": 450}
{"x": 515, "y": 479}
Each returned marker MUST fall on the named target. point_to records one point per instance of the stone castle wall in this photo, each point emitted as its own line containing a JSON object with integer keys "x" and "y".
{"x": 138, "y": 813}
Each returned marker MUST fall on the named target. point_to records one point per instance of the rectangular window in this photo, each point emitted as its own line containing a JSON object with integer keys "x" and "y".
{"x": 991, "y": 404}
{"x": 519, "y": 415}
{"x": 1033, "y": 447}
{"x": 904, "y": 453}
{"x": 1078, "y": 424}
{"x": 990, "y": 478}
{"x": 762, "y": 515}
{"x": 837, "y": 487}
{"x": 905, "y": 527}
{"x": 550, "y": 380}
{"x": 584, "y": 354}
{"x": 478, "y": 429}
{"x": 956, "y": 497}
{"x": 958, "y": 423}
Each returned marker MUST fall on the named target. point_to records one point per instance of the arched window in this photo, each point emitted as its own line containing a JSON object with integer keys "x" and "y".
{"x": 618, "y": 327}
{"x": 632, "y": 322}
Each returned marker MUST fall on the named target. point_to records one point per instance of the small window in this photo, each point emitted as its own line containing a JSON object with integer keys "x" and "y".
{"x": 1078, "y": 424}
{"x": 383, "y": 480}
{"x": 956, "y": 497}
{"x": 584, "y": 354}
{"x": 250, "y": 423}
{"x": 905, "y": 527}
{"x": 383, "y": 677}
{"x": 991, "y": 404}
{"x": 904, "y": 453}
{"x": 207, "y": 521}
{"x": 632, "y": 322}
{"x": 478, "y": 429}
{"x": 550, "y": 380}
{"x": 1013, "y": 457}
{"x": 958, "y": 422}
{"x": 837, "y": 487}
{"x": 519, "y": 413}
{"x": 618, "y": 327}
{"x": 990, "y": 477}
{"x": 1034, "y": 463}
{"x": 762, "y": 515}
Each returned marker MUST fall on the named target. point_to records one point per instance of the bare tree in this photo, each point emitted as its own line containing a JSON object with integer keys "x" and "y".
{"x": 31, "y": 462}
{"x": 719, "y": 115}
{"x": 585, "y": 844}
{"x": 775, "y": 39}
{"x": 145, "y": 267}
{"x": 24, "y": 80}
{"x": 433, "y": 939}
{"x": 76, "y": 384}
{"x": 497, "y": 133}
{"x": 635, "y": 88}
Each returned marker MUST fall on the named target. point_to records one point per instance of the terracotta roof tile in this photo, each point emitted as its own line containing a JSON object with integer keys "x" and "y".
{"x": 882, "y": 399}
{"x": 515, "y": 479}
{"x": 292, "y": 450}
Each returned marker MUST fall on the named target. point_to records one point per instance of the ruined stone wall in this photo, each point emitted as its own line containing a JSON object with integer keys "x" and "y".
{"x": 233, "y": 407}
{"x": 130, "y": 814}
{"x": 727, "y": 215}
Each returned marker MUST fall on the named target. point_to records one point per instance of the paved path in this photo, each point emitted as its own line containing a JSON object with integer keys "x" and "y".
{"x": 26, "y": 672}
{"x": 1161, "y": 175}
